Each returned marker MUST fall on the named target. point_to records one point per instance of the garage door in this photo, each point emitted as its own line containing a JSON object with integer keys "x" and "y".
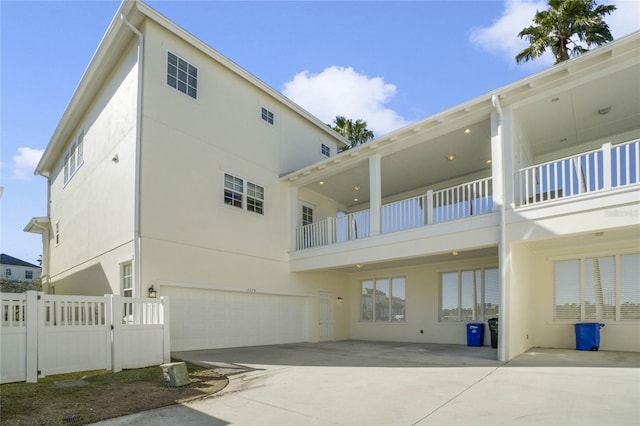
{"x": 210, "y": 319}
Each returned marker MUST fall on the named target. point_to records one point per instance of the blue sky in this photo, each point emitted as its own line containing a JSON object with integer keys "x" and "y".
{"x": 389, "y": 63}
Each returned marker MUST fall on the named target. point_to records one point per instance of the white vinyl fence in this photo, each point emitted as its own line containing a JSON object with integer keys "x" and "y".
{"x": 43, "y": 334}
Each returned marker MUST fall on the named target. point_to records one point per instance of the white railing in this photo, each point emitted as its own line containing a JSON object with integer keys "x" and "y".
{"x": 469, "y": 199}
{"x": 602, "y": 169}
{"x": 44, "y": 334}
{"x": 339, "y": 229}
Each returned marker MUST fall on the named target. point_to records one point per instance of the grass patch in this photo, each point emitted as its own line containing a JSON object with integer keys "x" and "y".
{"x": 106, "y": 395}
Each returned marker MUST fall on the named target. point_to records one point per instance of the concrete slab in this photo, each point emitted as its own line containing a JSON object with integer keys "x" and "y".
{"x": 378, "y": 383}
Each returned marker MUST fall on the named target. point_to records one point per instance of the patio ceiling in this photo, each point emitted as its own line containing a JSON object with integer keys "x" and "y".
{"x": 406, "y": 170}
{"x": 569, "y": 108}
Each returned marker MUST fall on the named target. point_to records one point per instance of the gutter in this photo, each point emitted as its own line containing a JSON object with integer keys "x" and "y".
{"x": 136, "y": 202}
{"x": 503, "y": 350}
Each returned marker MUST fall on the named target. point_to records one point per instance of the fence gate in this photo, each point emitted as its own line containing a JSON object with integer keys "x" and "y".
{"x": 44, "y": 334}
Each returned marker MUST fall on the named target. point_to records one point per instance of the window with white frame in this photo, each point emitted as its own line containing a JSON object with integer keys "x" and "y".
{"x": 7, "y": 272}
{"x": 383, "y": 300}
{"x": 28, "y": 275}
{"x": 73, "y": 157}
{"x": 307, "y": 215}
{"x": 243, "y": 194}
{"x": 325, "y": 150}
{"x": 597, "y": 288}
{"x": 469, "y": 295}
{"x": 127, "y": 279}
{"x": 267, "y": 116}
{"x": 182, "y": 76}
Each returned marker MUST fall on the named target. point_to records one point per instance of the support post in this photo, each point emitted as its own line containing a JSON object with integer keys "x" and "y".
{"x": 293, "y": 217}
{"x": 375, "y": 194}
{"x": 32, "y": 326}
{"x": 607, "y": 170}
{"x": 166, "y": 337}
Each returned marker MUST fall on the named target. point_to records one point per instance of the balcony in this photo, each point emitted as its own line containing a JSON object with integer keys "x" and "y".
{"x": 449, "y": 204}
{"x": 598, "y": 171}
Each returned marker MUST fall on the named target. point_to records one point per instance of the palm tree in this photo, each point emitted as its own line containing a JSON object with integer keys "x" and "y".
{"x": 355, "y": 132}
{"x": 565, "y": 28}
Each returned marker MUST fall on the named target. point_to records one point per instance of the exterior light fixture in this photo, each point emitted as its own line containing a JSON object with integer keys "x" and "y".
{"x": 555, "y": 99}
{"x": 467, "y": 131}
{"x": 359, "y": 266}
{"x": 321, "y": 182}
{"x": 488, "y": 161}
{"x": 357, "y": 187}
{"x": 599, "y": 234}
{"x": 355, "y": 199}
{"x": 451, "y": 157}
{"x": 152, "y": 292}
{"x": 564, "y": 140}
{"x": 455, "y": 253}
{"x": 339, "y": 299}
{"x": 604, "y": 110}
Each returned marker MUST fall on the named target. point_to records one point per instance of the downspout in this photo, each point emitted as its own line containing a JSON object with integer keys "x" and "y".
{"x": 136, "y": 219}
{"x": 503, "y": 351}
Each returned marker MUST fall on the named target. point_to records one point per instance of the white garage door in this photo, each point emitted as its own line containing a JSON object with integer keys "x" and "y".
{"x": 210, "y": 319}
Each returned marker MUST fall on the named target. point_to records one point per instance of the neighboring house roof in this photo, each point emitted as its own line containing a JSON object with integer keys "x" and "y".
{"x": 5, "y": 259}
{"x": 109, "y": 52}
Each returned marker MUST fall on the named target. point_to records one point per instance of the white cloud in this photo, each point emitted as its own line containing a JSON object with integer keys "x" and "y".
{"x": 25, "y": 163}
{"x": 343, "y": 91}
{"x": 502, "y": 37}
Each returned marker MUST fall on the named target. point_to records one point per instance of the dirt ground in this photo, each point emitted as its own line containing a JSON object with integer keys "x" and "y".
{"x": 87, "y": 397}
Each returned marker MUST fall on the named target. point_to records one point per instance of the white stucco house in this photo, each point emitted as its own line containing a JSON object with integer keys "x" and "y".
{"x": 14, "y": 269}
{"x": 174, "y": 168}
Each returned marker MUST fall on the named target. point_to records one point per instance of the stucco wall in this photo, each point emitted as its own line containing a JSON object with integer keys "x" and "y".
{"x": 167, "y": 262}
{"x": 94, "y": 209}
{"x": 422, "y": 306}
{"x": 189, "y": 144}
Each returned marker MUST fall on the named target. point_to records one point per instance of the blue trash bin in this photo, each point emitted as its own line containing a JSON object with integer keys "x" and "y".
{"x": 475, "y": 334}
{"x": 588, "y": 336}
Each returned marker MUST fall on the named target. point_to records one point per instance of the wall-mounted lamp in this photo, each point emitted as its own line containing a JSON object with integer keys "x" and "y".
{"x": 152, "y": 292}
{"x": 339, "y": 299}
{"x": 115, "y": 158}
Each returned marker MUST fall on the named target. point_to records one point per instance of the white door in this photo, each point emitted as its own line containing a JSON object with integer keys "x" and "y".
{"x": 210, "y": 319}
{"x": 326, "y": 316}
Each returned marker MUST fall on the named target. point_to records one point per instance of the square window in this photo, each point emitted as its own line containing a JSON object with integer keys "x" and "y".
{"x": 383, "y": 300}
{"x": 325, "y": 150}
{"x": 182, "y": 76}
{"x": 28, "y": 275}
{"x": 267, "y": 116}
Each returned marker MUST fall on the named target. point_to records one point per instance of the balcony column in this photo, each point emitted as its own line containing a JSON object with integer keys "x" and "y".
{"x": 293, "y": 217}
{"x": 375, "y": 194}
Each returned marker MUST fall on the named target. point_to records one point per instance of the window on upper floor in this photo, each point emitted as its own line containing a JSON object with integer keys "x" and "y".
{"x": 74, "y": 157}
{"x": 469, "y": 295}
{"x": 307, "y": 215}
{"x": 182, "y": 76}
{"x": 597, "y": 288}
{"x": 325, "y": 150}
{"x": 28, "y": 275}
{"x": 243, "y": 194}
{"x": 383, "y": 300}
{"x": 7, "y": 272}
{"x": 267, "y": 116}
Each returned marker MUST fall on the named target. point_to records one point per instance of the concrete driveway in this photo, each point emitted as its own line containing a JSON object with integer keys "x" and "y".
{"x": 380, "y": 383}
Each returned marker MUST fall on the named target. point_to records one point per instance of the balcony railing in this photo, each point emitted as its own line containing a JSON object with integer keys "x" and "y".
{"x": 599, "y": 170}
{"x": 469, "y": 199}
